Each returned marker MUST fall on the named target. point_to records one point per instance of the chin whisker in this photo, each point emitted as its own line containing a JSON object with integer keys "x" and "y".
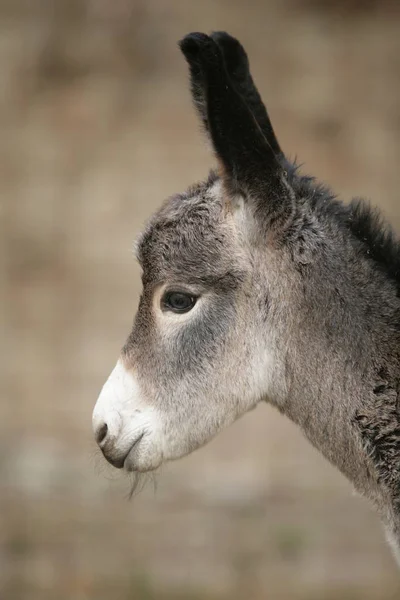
{"x": 138, "y": 481}
{"x": 102, "y": 467}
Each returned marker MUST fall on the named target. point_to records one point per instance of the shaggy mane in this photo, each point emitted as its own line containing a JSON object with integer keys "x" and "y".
{"x": 364, "y": 222}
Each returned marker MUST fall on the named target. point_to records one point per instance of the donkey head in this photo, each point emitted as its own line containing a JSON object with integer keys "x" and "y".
{"x": 218, "y": 282}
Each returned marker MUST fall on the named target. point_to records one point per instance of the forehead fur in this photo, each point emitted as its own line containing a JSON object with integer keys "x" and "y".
{"x": 188, "y": 237}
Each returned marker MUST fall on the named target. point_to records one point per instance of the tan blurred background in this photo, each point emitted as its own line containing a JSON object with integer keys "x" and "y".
{"x": 97, "y": 129}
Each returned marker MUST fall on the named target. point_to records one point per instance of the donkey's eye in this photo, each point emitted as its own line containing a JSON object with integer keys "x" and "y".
{"x": 178, "y": 302}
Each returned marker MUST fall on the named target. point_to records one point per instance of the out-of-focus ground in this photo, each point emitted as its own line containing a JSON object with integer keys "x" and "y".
{"x": 97, "y": 129}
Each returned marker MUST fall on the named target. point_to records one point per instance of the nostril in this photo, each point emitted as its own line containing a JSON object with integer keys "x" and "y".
{"x": 101, "y": 433}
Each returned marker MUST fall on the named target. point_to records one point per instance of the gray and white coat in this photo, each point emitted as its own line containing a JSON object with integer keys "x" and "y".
{"x": 259, "y": 285}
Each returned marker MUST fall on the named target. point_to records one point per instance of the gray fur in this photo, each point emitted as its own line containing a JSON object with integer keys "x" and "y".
{"x": 299, "y": 307}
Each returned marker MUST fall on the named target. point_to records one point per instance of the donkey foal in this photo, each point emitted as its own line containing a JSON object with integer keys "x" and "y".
{"x": 259, "y": 285}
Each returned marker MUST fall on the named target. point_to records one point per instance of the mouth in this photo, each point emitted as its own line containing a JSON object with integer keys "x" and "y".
{"x": 128, "y": 464}
{"x": 123, "y": 462}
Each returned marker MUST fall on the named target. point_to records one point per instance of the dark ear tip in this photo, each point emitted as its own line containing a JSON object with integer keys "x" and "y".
{"x": 223, "y": 36}
{"x": 226, "y": 41}
{"x": 192, "y": 43}
{"x": 232, "y": 49}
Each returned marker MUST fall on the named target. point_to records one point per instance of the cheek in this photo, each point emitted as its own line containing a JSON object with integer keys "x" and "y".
{"x": 195, "y": 346}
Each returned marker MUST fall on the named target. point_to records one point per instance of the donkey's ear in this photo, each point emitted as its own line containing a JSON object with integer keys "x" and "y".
{"x": 248, "y": 162}
{"x": 237, "y": 65}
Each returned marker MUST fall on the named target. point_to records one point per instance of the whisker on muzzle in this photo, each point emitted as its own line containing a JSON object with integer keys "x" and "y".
{"x": 139, "y": 481}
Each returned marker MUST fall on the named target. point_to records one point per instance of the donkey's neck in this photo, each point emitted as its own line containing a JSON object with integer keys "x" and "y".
{"x": 325, "y": 405}
{"x": 342, "y": 377}
{"x": 354, "y": 421}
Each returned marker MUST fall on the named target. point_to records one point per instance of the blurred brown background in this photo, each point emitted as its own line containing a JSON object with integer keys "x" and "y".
{"x": 97, "y": 129}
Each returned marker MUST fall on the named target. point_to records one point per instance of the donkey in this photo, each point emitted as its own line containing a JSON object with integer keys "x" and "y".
{"x": 259, "y": 285}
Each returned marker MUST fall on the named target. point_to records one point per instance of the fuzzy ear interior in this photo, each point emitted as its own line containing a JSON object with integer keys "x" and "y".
{"x": 236, "y": 119}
